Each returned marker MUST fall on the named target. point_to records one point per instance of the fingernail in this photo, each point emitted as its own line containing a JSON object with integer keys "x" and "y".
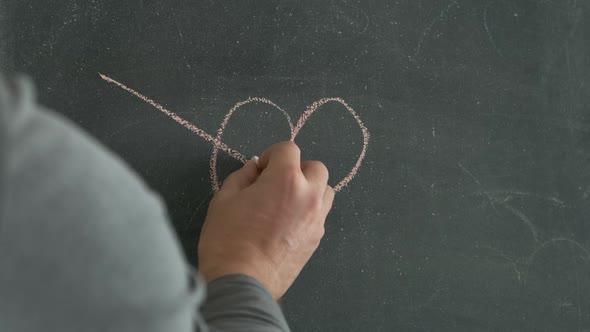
{"x": 255, "y": 159}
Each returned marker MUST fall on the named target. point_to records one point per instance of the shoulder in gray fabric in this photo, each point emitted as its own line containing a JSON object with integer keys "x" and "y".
{"x": 86, "y": 246}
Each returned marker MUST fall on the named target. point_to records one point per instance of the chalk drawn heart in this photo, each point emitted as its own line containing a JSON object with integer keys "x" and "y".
{"x": 219, "y": 145}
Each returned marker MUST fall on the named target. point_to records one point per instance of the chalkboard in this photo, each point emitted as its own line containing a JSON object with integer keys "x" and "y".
{"x": 469, "y": 211}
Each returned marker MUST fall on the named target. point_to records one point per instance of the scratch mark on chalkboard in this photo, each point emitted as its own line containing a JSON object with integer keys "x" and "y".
{"x": 579, "y": 299}
{"x": 485, "y": 24}
{"x": 196, "y": 210}
{"x": 132, "y": 124}
{"x": 345, "y": 15}
{"x": 502, "y": 255}
{"x": 442, "y": 16}
{"x": 522, "y": 265}
{"x": 577, "y": 14}
{"x": 491, "y": 201}
{"x": 469, "y": 173}
{"x": 179, "y": 32}
{"x": 573, "y": 244}
{"x": 126, "y": 127}
{"x": 524, "y": 219}
{"x": 552, "y": 241}
{"x": 222, "y": 3}
{"x": 422, "y": 37}
{"x": 509, "y": 193}
{"x": 219, "y": 145}
{"x": 425, "y": 185}
{"x": 368, "y": 19}
{"x": 431, "y": 298}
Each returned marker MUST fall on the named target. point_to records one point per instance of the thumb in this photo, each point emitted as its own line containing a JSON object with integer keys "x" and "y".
{"x": 242, "y": 178}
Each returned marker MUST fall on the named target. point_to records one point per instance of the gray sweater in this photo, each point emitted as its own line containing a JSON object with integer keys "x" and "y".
{"x": 86, "y": 246}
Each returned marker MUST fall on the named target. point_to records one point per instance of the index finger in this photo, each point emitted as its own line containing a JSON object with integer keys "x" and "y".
{"x": 283, "y": 155}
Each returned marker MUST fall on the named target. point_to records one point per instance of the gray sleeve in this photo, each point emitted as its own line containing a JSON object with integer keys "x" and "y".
{"x": 241, "y": 303}
{"x": 86, "y": 246}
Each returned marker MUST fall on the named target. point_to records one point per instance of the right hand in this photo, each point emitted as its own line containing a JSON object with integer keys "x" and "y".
{"x": 267, "y": 219}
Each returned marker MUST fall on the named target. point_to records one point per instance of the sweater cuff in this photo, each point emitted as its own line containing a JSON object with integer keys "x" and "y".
{"x": 241, "y": 303}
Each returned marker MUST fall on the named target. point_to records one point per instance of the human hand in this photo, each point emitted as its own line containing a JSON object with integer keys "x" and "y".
{"x": 267, "y": 219}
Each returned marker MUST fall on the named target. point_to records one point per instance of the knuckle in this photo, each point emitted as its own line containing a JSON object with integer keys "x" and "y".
{"x": 288, "y": 146}
{"x": 291, "y": 176}
{"x": 318, "y": 235}
{"x": 218, "y": 199}
{"x": 321, "y": 232}
{"x": 330, "y": 190}
{"x": 321, "y": 167}
{"x": 330, "y": 193}
{"x": 229, "y": 179}
{"x": 318, "y": 169}
{"x": 316, "y": 200}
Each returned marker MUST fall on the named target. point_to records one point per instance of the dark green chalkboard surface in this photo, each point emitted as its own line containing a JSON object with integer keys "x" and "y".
{"x": 471, "y": 208}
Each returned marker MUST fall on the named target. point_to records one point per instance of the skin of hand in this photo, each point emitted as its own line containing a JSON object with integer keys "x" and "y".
{"x": 267, "y": 219}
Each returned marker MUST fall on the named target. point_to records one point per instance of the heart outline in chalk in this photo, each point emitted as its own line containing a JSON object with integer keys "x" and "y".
{"x": 294, "y": 132}
{"x": 219, "y": 145}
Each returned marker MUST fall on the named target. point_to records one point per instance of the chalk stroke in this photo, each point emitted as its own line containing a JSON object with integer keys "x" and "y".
{"x": 213, "y": 161}
{"x": 180, "y": 120}
{"x": 219, "y": 145}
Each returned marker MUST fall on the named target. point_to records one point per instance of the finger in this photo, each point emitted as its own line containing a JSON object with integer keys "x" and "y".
{"x": 315, "y": 172}
{"x": 241, "y": 178}
{"x": 280, "y": 156}
{"x": 328, "y": 200}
